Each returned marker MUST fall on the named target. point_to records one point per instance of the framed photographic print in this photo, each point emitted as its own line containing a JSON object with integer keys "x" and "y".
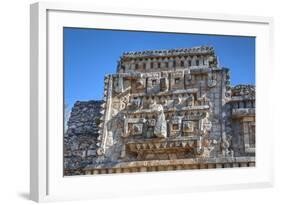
{"x": 127, "y": 102}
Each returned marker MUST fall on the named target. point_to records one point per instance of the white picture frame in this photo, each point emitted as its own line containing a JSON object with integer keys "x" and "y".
{"x": 46, "y": 177}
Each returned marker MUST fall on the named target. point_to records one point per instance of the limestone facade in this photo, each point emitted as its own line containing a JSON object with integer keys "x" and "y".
{"x": 171, "y": 110}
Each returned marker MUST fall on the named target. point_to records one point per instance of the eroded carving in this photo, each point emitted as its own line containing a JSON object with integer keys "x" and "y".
{"x": 183, "y": 107}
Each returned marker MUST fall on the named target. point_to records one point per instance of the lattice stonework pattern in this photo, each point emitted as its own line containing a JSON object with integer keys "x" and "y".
{"x": 170, "y": 110}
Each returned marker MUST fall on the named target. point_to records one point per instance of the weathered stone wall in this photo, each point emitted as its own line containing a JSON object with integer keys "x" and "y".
{"x": 186, "y": 84}
{"x": 170, "y": 110}
{"x": 218, "y": 92}
{"x": 241, "y": 120}
{"x": 81, "y": 136}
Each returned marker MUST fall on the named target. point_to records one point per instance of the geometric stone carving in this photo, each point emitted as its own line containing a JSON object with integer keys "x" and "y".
{"x": 225, "y": 145}
{"x": 211, "y": 80}
{"x": 151, "y": 122}
{"x": 177, "y": 109}
{"x": 243, "y": 90}
{"x": 164, "y": 84}
{"x": 187, "y": 126}
{"x": 135, "y": 128}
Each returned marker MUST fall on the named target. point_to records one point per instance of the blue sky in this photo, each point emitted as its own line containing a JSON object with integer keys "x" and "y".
{"x": 89, "y": 54}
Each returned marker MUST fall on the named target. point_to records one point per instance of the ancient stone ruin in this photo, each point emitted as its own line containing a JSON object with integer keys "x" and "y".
{"x": 163, "y": 110}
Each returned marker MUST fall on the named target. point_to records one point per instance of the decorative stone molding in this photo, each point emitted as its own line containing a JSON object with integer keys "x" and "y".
{"x": 244, "y": 90}
{"x": 172, "y": 52}
{"x": 211, "y": 80}
{"x": 165, "y": 110}
{"x": 242, "y": 112}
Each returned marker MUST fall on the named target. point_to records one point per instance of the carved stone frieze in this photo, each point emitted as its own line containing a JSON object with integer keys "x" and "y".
{"x": 211, "y": 80}
{"x": 161, "y": 109}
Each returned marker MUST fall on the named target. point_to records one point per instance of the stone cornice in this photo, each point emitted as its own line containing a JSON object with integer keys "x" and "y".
{"x": 170, "y": 52}
{"x": 173, "y": 162}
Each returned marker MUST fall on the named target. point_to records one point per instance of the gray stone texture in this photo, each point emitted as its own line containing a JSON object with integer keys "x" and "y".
{"x": 81, "y": 136}
{"x": 163, "y": 110}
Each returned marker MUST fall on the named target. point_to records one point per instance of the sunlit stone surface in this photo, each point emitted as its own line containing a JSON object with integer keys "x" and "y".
{"x": 163, "y": 110}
